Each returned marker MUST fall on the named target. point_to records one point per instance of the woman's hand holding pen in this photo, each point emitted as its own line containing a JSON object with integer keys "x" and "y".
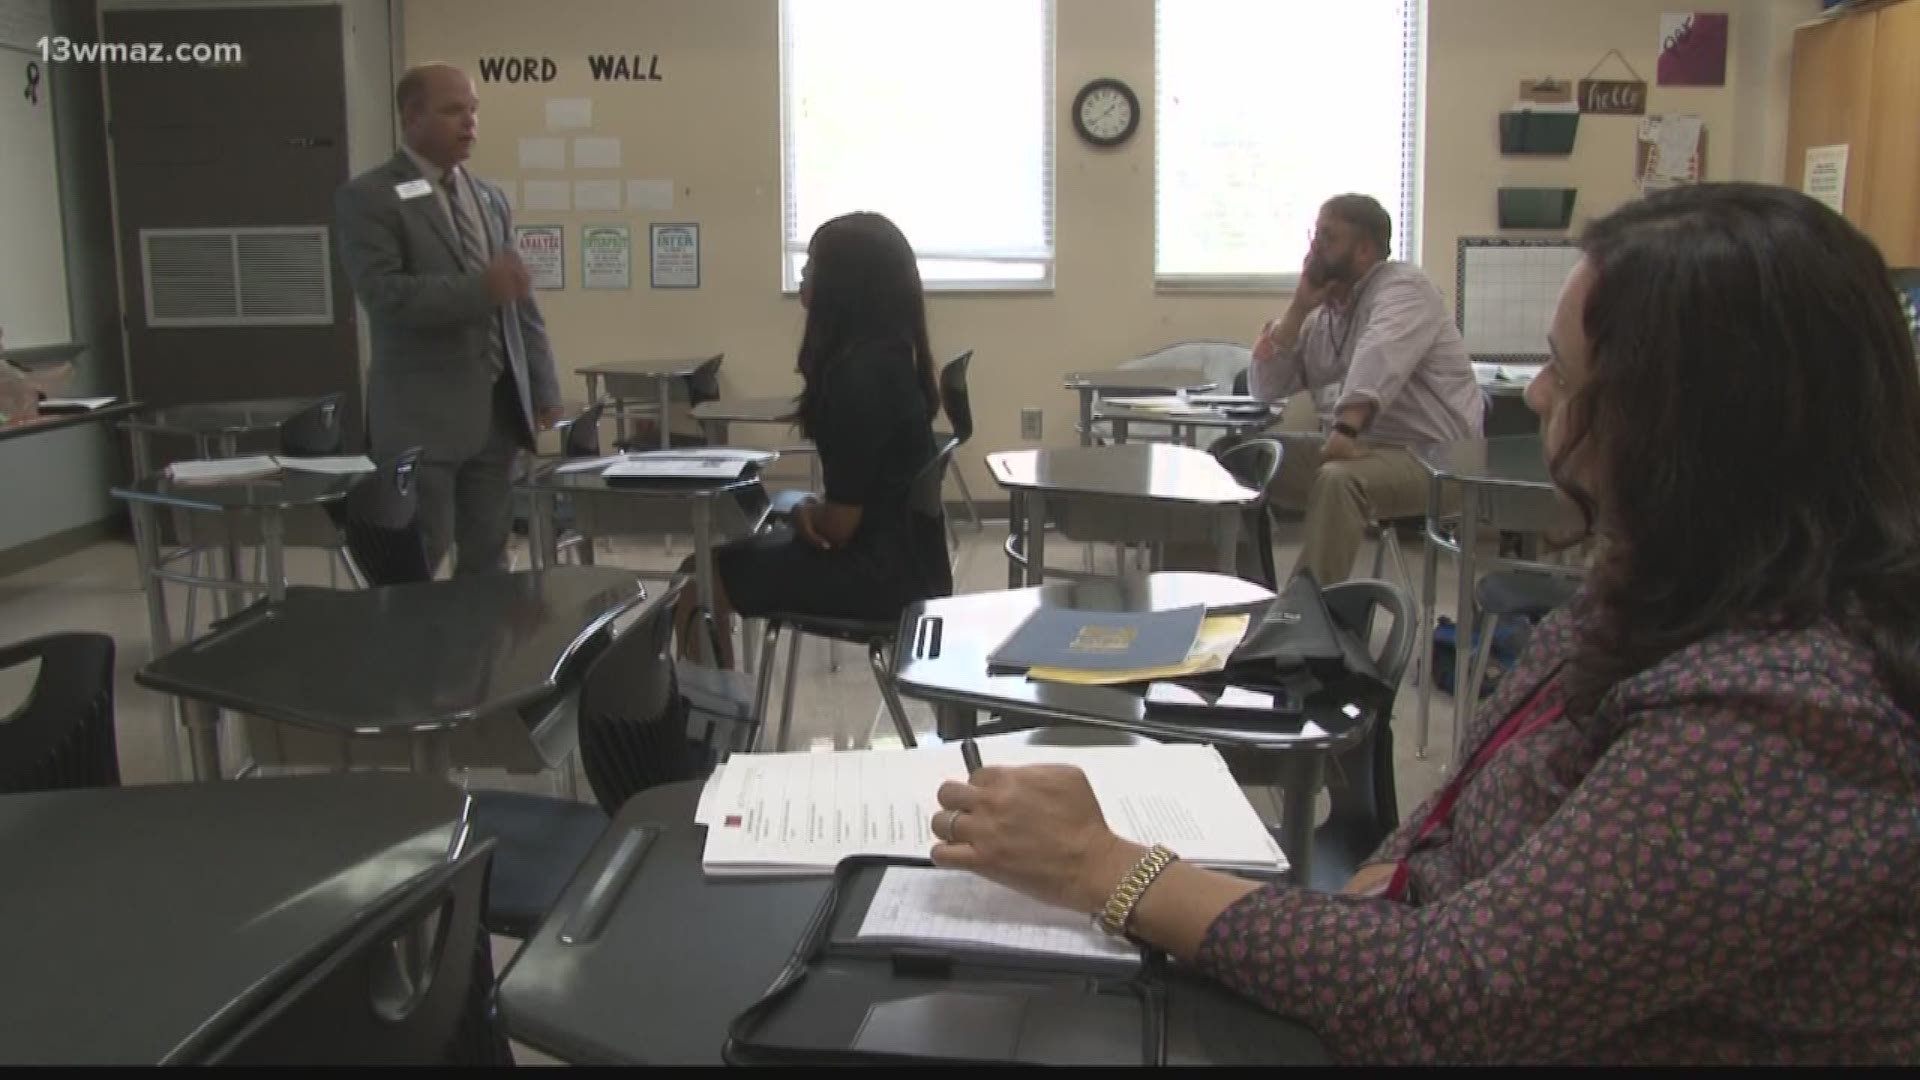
{"x": 1037, "y": 830}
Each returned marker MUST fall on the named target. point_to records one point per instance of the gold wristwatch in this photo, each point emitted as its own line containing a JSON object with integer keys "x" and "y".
{"x": 1118, "y": 912}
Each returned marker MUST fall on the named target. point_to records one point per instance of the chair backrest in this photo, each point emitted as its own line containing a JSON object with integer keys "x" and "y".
{"x": 704, "y": 383}
{"x": 314, "y": 431}
{"x": 954, "y": 398}
{"x": 62, "y": 736}
{"x": 1254, "y": 463}
{"x": 633, "y": 721}
{"x": 1220, "y": 360}
{"x": 382, "y": 523}
{"x": 581, "y": 439}
{"x": 1365, "y": 808}
{"x": 396, "y": 991}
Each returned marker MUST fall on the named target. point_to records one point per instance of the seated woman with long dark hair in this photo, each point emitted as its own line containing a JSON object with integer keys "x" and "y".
{"x": 1687, "y": 828}
{"x": 868, "y": 402}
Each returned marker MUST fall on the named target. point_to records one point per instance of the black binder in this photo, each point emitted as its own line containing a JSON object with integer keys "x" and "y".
{"x": 844, "y": 1001}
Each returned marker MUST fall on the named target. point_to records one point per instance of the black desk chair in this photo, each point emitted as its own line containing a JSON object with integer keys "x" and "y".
{"x": 62, "y": 736}
{"x": 1254, "y": 463}
{"x": 958, "y": 405}
{"x": 1360, "y": 780}
{"x": 877, "y": 635}
{"x": 633, "y": 736}
{"x": 411, "y": 986}
{"x": 314, "y": 431}
{"x": 1528, "y": 594}
{"x": 380, "y": 520}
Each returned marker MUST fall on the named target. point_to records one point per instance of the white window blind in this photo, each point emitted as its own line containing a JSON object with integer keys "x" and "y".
{"x": 936, "y": 113}
{"x": 1265, "y": 109}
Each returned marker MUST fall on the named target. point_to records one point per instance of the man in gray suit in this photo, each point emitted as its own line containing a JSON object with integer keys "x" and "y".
{"x": 461, "y": 365}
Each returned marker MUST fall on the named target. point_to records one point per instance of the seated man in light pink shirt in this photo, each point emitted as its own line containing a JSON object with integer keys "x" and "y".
{"x": 1380, "y": 331}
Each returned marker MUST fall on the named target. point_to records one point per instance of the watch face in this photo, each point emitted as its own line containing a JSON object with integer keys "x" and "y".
{"x": 1106, "y": 114}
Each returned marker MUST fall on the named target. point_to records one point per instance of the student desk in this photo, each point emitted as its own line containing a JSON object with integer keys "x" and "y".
{"x": 145, "y": 921}
{"x": 661, "y": 959}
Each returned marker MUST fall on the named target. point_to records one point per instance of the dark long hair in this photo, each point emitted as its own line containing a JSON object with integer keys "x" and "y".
{"x": 863, "y": 284}
{"x": 1753, "y": 414}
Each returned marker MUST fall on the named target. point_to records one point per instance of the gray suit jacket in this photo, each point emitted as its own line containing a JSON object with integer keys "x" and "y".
{"x": 429, "y": 317}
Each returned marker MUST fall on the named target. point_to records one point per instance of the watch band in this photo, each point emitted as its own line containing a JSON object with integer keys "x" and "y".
{"x": 1118, "y": 912}
{"x": 1341, "y": 427}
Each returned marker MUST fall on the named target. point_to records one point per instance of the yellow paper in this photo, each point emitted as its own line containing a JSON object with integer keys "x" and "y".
{"x": 1219, "y": 636}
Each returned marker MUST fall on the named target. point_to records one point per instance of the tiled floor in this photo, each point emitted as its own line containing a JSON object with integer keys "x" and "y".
{"x": 97, "y": 589}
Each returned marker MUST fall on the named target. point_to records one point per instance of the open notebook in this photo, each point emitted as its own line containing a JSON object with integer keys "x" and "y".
{"x": 801, "y": 813}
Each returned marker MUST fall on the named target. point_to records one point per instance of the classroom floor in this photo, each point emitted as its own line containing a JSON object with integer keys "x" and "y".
{"x": 97, "y": 589}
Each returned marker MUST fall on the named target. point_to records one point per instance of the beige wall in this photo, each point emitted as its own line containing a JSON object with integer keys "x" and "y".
{"x": 712, "y": 126}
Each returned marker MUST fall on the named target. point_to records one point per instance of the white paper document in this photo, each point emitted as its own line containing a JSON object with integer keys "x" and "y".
{"x": 663, "y": 467}
{"x": 223, "y": 470}
{"x": 75, "y": 404}
{"x": 569, "y": 114}
{"x": 333, "y": 466}
{"x": 540, "y": 152}
{"x": 547, "y": 195}
{"x": 960, "y": 908}
{"x": 802, "y": 813}
{"x": 596, "y": 152}
{"x": 596, "y": 194}
{"x": 588, "y": 464}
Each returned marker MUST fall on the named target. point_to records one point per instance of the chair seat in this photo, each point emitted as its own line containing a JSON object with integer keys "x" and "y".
{"x": 857, "y": 631}
{"x": 1523, "y": 592}
{"x": 542, "y": 841}
{"x": 783, "y": 503}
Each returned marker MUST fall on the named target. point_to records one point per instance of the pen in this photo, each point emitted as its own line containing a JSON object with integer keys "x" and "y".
{"x": 970, "y": 754}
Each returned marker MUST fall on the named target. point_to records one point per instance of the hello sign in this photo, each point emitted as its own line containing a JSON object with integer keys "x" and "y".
{"x": 1609, "y": 97}
{"x": 1614, "y": 97}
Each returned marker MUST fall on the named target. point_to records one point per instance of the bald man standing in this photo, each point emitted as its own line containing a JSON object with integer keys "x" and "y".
{"x": 461, "y": 365}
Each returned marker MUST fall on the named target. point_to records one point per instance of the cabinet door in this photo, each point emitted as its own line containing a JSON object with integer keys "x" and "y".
{"x": 1831, "y": 100}
{"x": 1892, "y": 184}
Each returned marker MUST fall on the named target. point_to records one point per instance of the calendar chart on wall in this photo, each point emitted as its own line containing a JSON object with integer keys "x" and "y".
{"x": 1505, "y": 294}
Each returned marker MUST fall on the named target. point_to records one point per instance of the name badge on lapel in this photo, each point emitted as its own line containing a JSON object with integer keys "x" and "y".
{"x": 413, "y": 189}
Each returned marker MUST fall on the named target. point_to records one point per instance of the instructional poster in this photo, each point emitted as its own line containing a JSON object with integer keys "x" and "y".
{"x": 543, "y": 248}
{"x": 606, "y": 257}
{"x": 676, "y": 256}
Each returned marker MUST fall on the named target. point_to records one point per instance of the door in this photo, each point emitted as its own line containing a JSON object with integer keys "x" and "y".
{"x": 254, "y": 146}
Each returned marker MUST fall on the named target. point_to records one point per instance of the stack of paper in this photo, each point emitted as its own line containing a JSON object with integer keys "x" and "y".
{"x": 955, "y": 907}
{"x": 715, "y": 462}
{"x": 255, "y": 467}
{"x": 800, "y": 814}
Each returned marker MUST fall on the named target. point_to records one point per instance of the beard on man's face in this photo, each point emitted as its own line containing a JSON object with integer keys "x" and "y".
{"x": 1330, "y": 269}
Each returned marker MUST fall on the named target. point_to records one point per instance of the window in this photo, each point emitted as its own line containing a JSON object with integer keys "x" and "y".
{"x": 1264, "y": 109}
{"x": 936, "y": 114}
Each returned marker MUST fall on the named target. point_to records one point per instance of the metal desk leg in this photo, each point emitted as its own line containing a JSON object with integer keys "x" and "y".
{"x": 703, "y": 573}
{"x": 1036, "y": 537}
{"x": 273, "y": 530}
{"x": 430, "y": 753}
{"x": 1086, "y": 415}
{"x": 1464, "y": 620}
{"x": 665, "y": 383}
{"x": 1016, "y": 530}
{"x": 146, "y": 543}
{"x": 1429, "y": 600}
{"x": 954, "y": 722}
{"x": 1300, "y": 777}
{"x": 750, "y": 630}
{"x": 203, "y": 740}
{"x": 231, "y": 600}
{"x": 540, "y": 554}
{"x": 1119, "y": 431}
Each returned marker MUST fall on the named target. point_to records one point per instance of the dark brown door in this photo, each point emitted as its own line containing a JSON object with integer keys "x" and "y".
{"x": 259, "y": 143}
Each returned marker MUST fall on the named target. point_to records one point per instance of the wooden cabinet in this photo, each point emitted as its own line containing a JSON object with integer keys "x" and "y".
{"x": 1856, "y": 81}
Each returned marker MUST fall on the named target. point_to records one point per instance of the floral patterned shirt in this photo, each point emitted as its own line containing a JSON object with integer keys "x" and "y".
{"x": 1722, "y": 864}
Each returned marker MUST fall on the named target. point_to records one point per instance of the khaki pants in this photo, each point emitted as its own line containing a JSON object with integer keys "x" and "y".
{"x": 1341, "y": 497}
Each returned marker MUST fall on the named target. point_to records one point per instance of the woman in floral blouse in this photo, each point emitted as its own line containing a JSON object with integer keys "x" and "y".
{"x": 1689, "y": 829}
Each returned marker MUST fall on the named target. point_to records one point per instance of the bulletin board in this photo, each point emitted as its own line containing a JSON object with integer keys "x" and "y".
{"x": 1505, "y": 293}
